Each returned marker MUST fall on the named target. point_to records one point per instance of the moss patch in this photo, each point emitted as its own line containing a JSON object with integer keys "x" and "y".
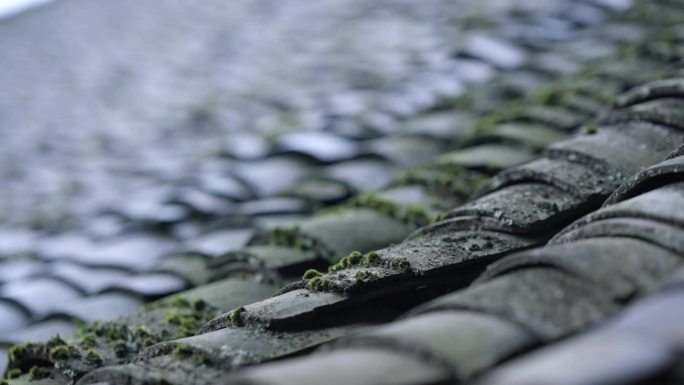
{"x": 38, "y": 373}
{"x": 235, "y": 317}
{"x": 63, "y": 352}
{"x": 319, "y": 284}
{"x": 591, "y": 129}
{"x": 311, "y": 273}
{"x": 398, "y": 264}
{"x": 444, "y": 179}
{"x": 182, "y": 351}
{"x": 353, "y": 259}
{"x": 414, "y": 215}
{"x": 365, "y": 276}
{"x": 93, "y": 357}
{"x": 13, "y": 373}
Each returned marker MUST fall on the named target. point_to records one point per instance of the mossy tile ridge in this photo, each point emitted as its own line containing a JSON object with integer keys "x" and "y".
{"x": 529, "y": 299}
{"x": 523, "y": 296}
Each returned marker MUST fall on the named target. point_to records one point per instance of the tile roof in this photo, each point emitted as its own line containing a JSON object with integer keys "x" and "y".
{"x": 462, "y": 246}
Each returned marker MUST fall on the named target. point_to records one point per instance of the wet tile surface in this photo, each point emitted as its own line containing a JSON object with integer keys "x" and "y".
{"x": 240, "y": 208}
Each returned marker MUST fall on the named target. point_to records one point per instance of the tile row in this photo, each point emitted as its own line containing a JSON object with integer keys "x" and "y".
{"x": 325, "y": 300}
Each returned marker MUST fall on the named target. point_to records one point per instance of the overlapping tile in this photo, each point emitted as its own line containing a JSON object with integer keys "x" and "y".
{"x": 539, "y": 296}
{"x": 275, "y": 257}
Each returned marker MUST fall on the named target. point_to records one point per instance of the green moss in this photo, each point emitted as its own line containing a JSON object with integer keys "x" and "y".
{"x": 591, "y": 129}
{"x": 235, "y": 318}
{"x": 292, "y": 237}
{"x": 110, "y": 331}
{"x": 121, "y": 338}
{"x": 444, "y": 177}
{"x": 185, "y": 351}
{"x": 312, "y": 273}
{"x": 399, "y": 264}
{"x": 182, "y": 351}
{"x": 557, "y": 93}
{"x": 417, "y": 215}
{"x": 174, "y": 317}
{"x": 38, "y": 373}
{"x": 121, "y": 349}
{"x": 61, "y": 352}
{"x": 375, "y": 202}
{"x": 486, "y": 124}
{"x": 179, "y": 301}
{"x": 199, "y": 304}
{"x": 188, "y": 323}
{"x": 19, "y": 351}
{"x": 88, "y": 340}
{"x": 4, "y": 382}
{"x": 303, "y": 244}
{"x": 285, "y": 237}
{"x": 56, "y": 341}
{"x": 93, "y": 357}
{"x": 13, "y": 373}
{"x": 365, "y": 275}
{"x": 353, "y": 259}
{"x": 371, "y": 259}
{"x": 188, "y": 327}
{"x": 313, "y": 283}
{"x": 319, "y": 284}
{"x": 463, "y": 102}
{"x": 142, "y": 331}
{"x": 440, "y": 217}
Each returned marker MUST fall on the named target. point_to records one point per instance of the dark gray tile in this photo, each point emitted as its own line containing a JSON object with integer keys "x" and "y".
{"x": 16, "y": 241}
{"x": 406, "y": 150}
{"x": 473, "y": 71}
{"x": 275, "y": 205}
{"x": 39, "y": 332}
{"x": 570, "y": 177}
{"x": 17, "y": 269}
{"x": 320, "y": 190}
{"x": 322, "y": 146}
{"x": 362, "y": 174}
{"x": 288, "y": 308}
{"x": 583, "y": 14}
{"x": 450, "y": 126}
{"x": 497, "y": 52}
{"x": 652, "y": 90}
{"x": 151, "y": 285}
{"x": 549, "y": 303}
{"x": 593, "y": 359}
{"x": 525, "y": 207}
{"x": 347, "y": 366}
{"x": 12, "y": 317}
{"x": 469, "y": 342}
{"x": 275, "y": 174}
{"x": 344, "y": 231}
{"x": 135, "y": 252}
{"x": 202, "y": 202}
{"x": 102, "y": 307}
{"x": 39, "y": 294}
{"x": 222, "y": 185}
{"x": 66, "y": 246}
{"x": 488, "y": 156}
{"x": 192, "y": 267}
{"x": 246, "y": 145}
{"x": 90, "y": 280}
{"x": 219, "y": 241}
